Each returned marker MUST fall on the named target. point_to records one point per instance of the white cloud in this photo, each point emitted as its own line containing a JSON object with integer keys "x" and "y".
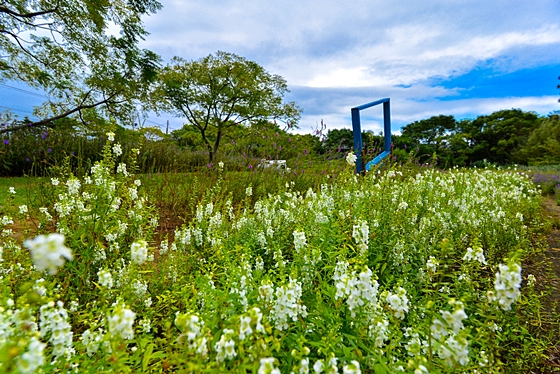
{"x": 336, "y": 55}
{"x": 406, "y": 110}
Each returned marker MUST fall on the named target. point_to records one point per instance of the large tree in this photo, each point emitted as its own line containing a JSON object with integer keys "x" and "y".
{"x": 219, "y": 92}
{"x": 64, "y": 48}
{"x": 543, "y": 144}
{"x": 432, "y": 131}
{"x": 500, "y": 136}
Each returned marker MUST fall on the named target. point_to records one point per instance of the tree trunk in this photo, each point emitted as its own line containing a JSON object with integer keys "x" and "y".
{"x": 208, "y": 146}
{"x": 217, "y": 142}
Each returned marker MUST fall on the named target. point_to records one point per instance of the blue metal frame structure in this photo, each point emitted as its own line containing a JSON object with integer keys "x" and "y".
{"x": 357, "y": 131}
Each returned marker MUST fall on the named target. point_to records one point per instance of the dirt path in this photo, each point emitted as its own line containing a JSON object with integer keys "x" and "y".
{"x": 547, "y": 272}
{"x": 552, "y": 209}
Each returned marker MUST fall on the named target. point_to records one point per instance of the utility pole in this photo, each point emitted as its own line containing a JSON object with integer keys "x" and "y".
{"x": 167, "y": 128}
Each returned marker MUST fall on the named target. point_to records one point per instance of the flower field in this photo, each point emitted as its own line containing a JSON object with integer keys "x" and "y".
{"x": 397, "y": 271}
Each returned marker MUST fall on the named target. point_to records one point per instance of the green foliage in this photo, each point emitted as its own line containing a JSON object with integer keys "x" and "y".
{"x": 394, "y": 271}
{"x": 543, "y": 145}
{"x": 34, "y": 150}
{"x": 431, "y": 131}
{"x": 62, "y": 47}
{"x": 220, "y": 92}
{"x": 500, "y": 138}
{"x": 336, "y": 139}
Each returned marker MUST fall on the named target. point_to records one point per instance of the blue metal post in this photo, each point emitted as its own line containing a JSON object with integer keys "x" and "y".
{"x": 357, "y": 131}
{"x": 387, "y": 125}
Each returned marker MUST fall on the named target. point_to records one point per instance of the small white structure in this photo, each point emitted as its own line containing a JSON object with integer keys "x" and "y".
{"x": 274, "y": 164}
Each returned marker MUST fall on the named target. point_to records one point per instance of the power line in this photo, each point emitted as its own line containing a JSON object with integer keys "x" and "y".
{"x": 16, "y": 109}
{"x": 19, "y": 111}
{"x": 22, "y": 90}
{"x": 155, "y": 123}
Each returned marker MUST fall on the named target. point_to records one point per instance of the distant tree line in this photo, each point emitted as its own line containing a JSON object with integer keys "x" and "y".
{"x": 504, "y": 137}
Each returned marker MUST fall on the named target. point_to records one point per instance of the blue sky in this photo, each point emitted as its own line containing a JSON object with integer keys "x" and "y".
{"x": 453, "y": 57}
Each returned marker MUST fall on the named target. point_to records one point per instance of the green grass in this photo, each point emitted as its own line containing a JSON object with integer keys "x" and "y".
{"x": 27, "y": 191}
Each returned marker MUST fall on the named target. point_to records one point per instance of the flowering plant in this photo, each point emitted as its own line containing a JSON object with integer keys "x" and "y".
{"x": 393, "y": 272}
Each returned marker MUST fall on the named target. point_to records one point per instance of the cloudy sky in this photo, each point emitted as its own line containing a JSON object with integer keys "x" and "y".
{"x": 431, "y": 57}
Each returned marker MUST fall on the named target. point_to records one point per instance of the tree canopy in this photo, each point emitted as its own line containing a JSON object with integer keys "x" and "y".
{"x": 496, "y": 138}
{"x": 219, "y": 92}
{"x": 64, "y": 48}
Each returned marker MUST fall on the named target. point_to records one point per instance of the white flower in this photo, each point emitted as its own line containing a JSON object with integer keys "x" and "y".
{"x": 531, "y": 280}
{"x": 299, "y": 240}
{"x": 266, "y": 291}
{"x": 39, "y": 288}
{"x": 117, "y": 149}
{"x": 254, "y": 317}
{"x": 432, "y": 264}
{"x": 73, "y": 186}
{"x": 244, "y": 327}
{"x": 191, "y": 326}
{"x": 133, "y": 192}
{"x": 55, "y": 320}
{"x": 507, "y": 284}
{"x": 318, "y": 366}
{"x": 91, "y": 341}
{"x": 54, "y": 181}
{"x": 221, "y": 165}
{"x": 249, "y": 191}
{"x": 438, "y": 329}
{"x": 122, "y": 169}
{"x": 455, "y": 319}
{"x": 7, "y": 221}
{"x": 33, "y": 359}
{"x": 111, "y": 136}
{"x": 455, "y": 349}
{"x": 267, "y": 366}
{"x": 146, "y": 325}
{"x": 378, "y": 331}
{"x": 476, "y": 254}
{"x": 398, "y": 302}
{"x": 105, "y": 278}
{"x": 333, "y": 368}
{"x": 360, "y": 233}
{"x": 351, "y": 159}
{"x": 359, "y": 290}
{"x": 352, "y": 368}
{"x": 23, "y": 209}
{"x": 12, "y": 190}
{"x": 304, "y": 367}
{"x": 73, "y": 306}
{"x": 120, "y": 323}
{"x": 48, "y": 251}
{"x": 139, "y": 251}
{"x": 225, "y": 347}
{"x": 287, "y": 304}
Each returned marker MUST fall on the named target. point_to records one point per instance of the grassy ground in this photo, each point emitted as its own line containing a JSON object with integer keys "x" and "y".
{"x": 177, "y": 194}
{"x": 27, "y": 191}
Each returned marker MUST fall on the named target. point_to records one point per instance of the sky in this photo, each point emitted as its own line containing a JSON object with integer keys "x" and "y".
{"x": 454, "y": 57}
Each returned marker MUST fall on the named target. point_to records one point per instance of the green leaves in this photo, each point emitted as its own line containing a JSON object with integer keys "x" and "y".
{"x": 62, "y": 47}
{"x": 219, "y": 92}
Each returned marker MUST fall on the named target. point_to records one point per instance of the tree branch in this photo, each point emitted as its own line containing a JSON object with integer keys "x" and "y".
{"x": 59, "y": 116}
{"x": 7, "y": 10}
{"x": 17, "y": 39}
